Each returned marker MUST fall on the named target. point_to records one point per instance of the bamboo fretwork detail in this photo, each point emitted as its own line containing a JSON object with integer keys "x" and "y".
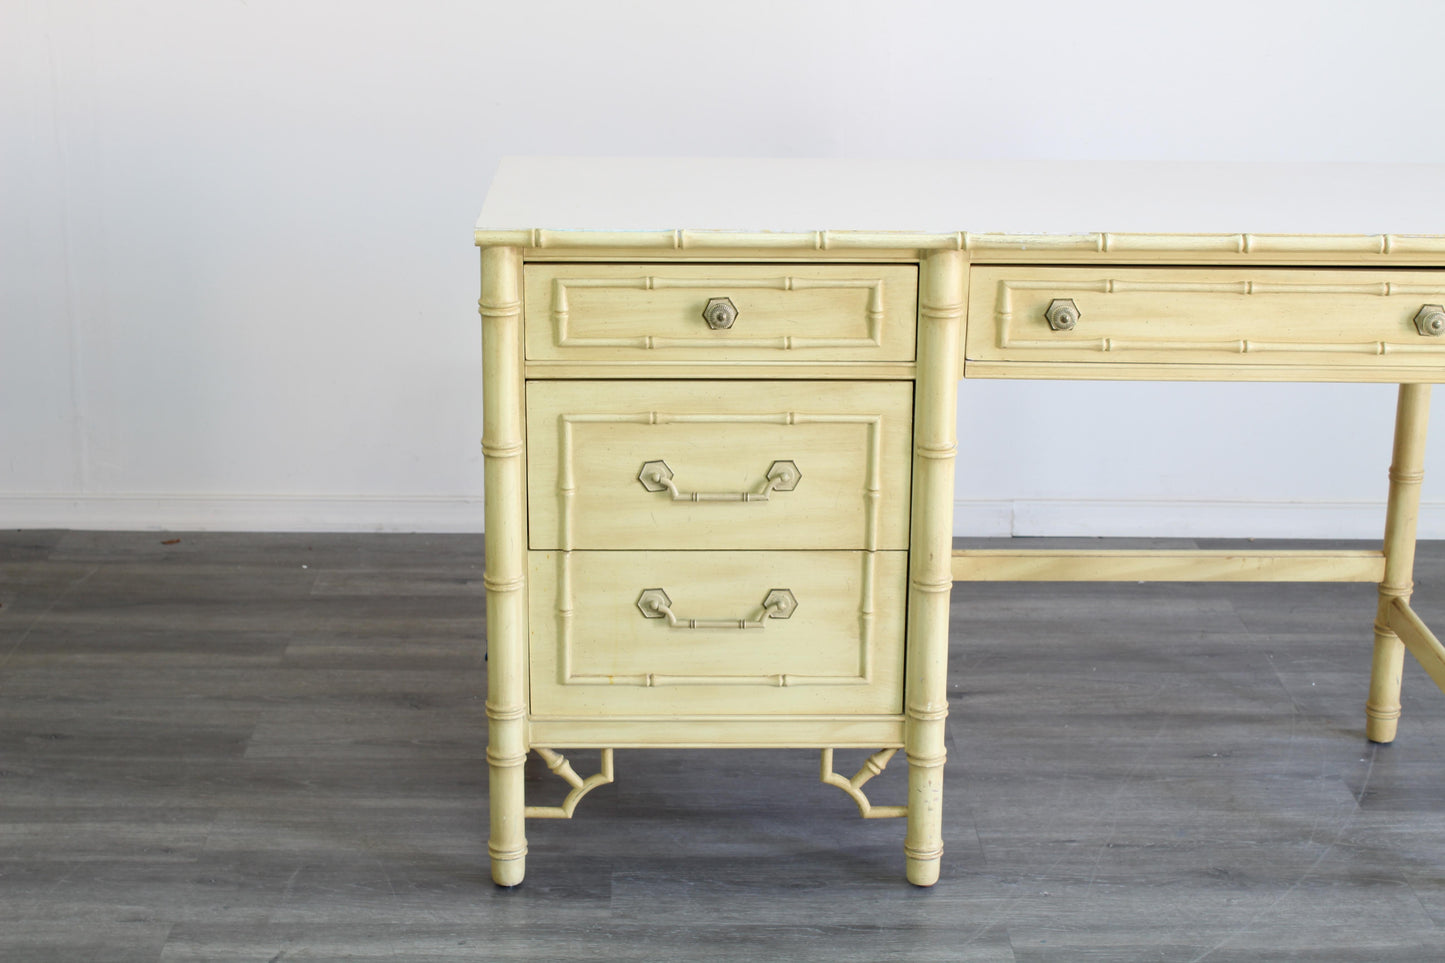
{"x": 580, "y": 787}
{"x": 871, "y": 767}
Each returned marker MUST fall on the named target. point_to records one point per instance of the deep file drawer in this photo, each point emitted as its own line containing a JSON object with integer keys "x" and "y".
{"x": 737, "y": 633}
{"x": 718, "y": 464}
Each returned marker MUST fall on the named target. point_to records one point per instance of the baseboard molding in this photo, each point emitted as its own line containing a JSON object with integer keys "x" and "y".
{"x": 1200, "y": 518}
{"x": 242, "y": 513}
{"x": 1183, "y": 518}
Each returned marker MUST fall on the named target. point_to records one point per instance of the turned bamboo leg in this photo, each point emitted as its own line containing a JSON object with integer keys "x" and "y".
{"x": 1402, "y": 512}
{"x": 505, "y": 579}
{"x": 931, "y": 547}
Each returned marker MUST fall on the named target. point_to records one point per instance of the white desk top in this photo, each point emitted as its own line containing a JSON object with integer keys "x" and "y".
{"x": 1007, "y": 197}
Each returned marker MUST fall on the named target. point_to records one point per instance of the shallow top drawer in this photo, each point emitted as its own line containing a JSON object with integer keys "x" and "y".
{"x": 1324, "y": 320}
{"x": 720, "y": 312}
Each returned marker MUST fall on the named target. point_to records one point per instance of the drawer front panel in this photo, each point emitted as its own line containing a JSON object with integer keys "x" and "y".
{"x": 594, "y": 651}
{"x": 718, "y": 464}
{"x": 783, "y": 312}
{"x": 1237, "y": 317}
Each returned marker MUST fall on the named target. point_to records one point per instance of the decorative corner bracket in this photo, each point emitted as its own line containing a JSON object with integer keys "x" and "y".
{"x": 580, "y": 787}
{"x": 872, "y": 766}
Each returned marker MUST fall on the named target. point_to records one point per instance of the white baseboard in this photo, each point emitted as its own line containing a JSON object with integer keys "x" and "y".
{"x": 242, "y": 513}
{"x": 456, "y": 513}
{"x": 1156, "y": 518}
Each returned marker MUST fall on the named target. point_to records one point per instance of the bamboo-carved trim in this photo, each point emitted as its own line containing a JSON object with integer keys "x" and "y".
{"x": 1129, "y": 243}
{"x": 542, "y": 239}
{"x": 924, "y": 855}
{"x": 501, "y": 309}
{"x": 561, "y": 312}
{"x": 871, "y": 767}
{"x": 503, "y": 434}
{"x": 1004, "y": 314}
{"x": 1167, "y": 565}
{"x": 506, "y": 760}
{"x": 514, "y": 584}
{"x": 942, "y": 312}
{"x": 566, "y": 483}
{"x": 506, "y": 853}
{"x": 932, "y": 585}
{"x": 501, "y": 713}
{"x": 866, "y": 616}
{"x": 580, "y": 787}
{"x": 926, "y": 760}
{"x": 502, "y": 449}
{"x": 945, "y": 452}
{"x": 928, "y": 713}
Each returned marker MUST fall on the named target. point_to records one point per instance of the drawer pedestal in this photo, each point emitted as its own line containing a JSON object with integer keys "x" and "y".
{"x": 713, "y": 561}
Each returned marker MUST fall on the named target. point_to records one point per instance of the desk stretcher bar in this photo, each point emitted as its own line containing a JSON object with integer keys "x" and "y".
{"x": 1167, "y": 565}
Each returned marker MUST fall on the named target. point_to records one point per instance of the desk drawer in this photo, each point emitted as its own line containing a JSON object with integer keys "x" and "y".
{"x": 838, "y": 650}
{"x": 1237, "y": 317}
{"x": 762, "y": 312}
{"x": 718, "y": 464}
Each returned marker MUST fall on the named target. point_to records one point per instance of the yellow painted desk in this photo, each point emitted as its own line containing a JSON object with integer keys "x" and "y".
{"x": 720, "y": 441}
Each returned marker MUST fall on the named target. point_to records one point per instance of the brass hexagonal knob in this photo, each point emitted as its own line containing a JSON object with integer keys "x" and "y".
{"x": 1062, "y": 314}
{"x": 654, "y": 475}
{"x": 784, "y": 476}
{"x": 653, "y": 602}
{"x": 1430, "y": 320}
{"x": 719, "y": 313}
{"x": 780, "y": 604}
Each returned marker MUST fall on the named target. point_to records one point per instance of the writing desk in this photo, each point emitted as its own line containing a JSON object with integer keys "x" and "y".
{"x": 720, "y": 440}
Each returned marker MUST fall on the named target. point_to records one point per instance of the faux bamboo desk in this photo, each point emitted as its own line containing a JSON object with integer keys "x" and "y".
{"x": 720, "y": 441}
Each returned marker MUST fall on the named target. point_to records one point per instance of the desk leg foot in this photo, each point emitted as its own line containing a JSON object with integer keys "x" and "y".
{"x": 923, "y": 870}
{"x": 923, "y": 841}
{"x": 1382, "y": 709}
{"x": 508, "y": 873}
{"x": 507, "y": 845}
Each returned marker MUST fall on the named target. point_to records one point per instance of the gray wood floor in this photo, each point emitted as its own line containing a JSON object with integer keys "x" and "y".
{"x": 271, "y": 747}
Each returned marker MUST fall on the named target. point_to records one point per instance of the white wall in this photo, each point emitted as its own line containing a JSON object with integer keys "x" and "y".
{"x": 238, "y": 287}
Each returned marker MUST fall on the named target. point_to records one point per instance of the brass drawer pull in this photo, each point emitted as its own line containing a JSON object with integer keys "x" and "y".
{"x": 782, "y": 476}
{"x": 1062, "y": 314}
{"x": 1430, "y": 320}
{"x": 719, "y": 313}
{"x": 654, "y": 604}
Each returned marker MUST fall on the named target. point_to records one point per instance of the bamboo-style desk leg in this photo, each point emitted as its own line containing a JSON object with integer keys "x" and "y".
{"x": 941, "y": 302}
{"x": 506, "y": 562}
{"x": 1412, "y": 413}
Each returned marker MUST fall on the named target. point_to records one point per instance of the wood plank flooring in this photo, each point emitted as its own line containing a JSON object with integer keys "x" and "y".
{"x": 271, "y": 747}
